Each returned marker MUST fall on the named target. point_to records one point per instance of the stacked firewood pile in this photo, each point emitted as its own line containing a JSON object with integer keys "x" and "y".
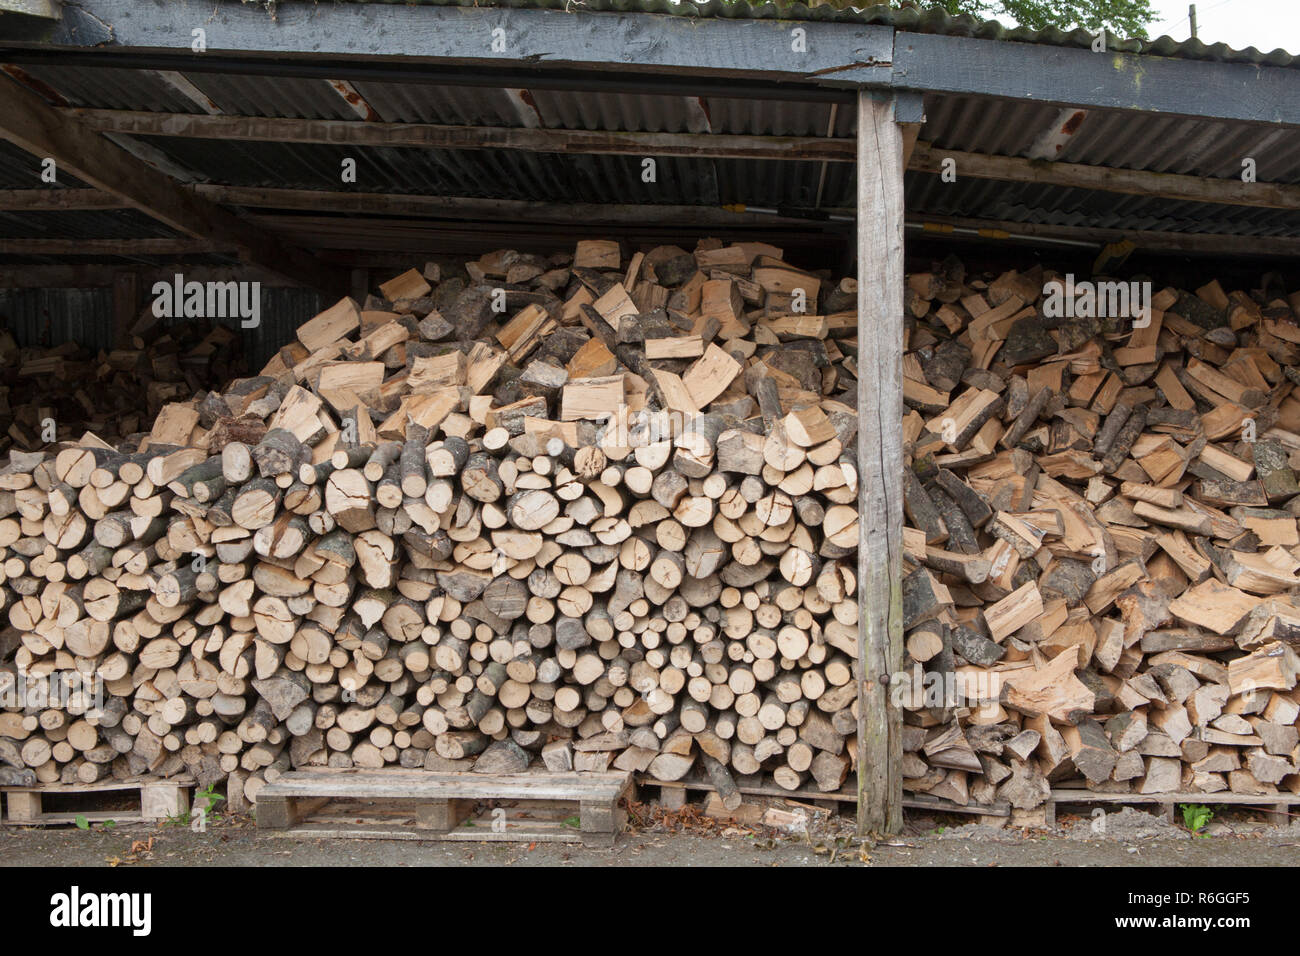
{"x": 593, "y": 510}
{"x": 1102, "y": 543}
{"x": 600, "y": 511}
{"x": 66, "y": 389}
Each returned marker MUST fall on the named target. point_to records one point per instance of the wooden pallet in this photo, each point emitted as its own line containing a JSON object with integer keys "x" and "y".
{"x": 159, "y": 800}
{"x": 674, "y": 796}
{"x": 537, "y": 806}
{"x": 1277, "y": 806}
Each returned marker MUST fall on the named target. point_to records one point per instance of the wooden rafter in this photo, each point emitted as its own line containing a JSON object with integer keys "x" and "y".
{"x": 277, "y": 129}
{"x": 353, "y": 98}
{"x": 924, "y": 157}
{"x": 46, "y": 200}
{"x": 112, "y": 247}
{"x": 469, "y": 208}
{"x": 458, "y": 207}
{"x": 1150, "y": 239}
{"x": 928, "y": 158}
{"x": 30, "y": 123}
{"x": 98, "y": 274}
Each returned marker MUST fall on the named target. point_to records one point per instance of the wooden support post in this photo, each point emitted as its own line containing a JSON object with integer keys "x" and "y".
{"x": 880, "y": 457}
{"x": 126, "y": 305}
{"x": 909, "y": 113}
{"x": 360, "y": 279}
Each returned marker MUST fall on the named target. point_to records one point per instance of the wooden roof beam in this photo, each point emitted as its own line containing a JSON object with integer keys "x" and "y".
{"x": 112, "y": 247}
{"x": 927, "y": 158}
{"x": 101, "y": 274}
{"x": 470, "y": 208}
{"x": 1147, "y": 240}
{"x": 275, "y": 129}
{"x": 46, "y": 200}
{"x": 924, "y": 157}
{"x": 30, "y": 123}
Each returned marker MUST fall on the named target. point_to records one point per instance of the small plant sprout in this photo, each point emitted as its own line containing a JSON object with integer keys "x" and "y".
{"x": 1196, "y": 817}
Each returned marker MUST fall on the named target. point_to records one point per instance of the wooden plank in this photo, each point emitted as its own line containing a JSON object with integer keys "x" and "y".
{"x": 160, "y": 798}
{"x": 93, "y": 275}
{"x": 911, "y": 801}
{"x": 111, "y": 247}
{"x": 631, "y": 45}
{"x": 437, "y": 136}
{"x": 476, "y": 209}
{"x": 1234, "y": 192}
{"x": 45, "y": 200}
{"x": 1208, "y": 243}
{"x": 1077, "y": 77}
{"x": 403, "y": 804}
{"x": 104, "y": 786}
{"x": 391, "y": 784}
{"x": 717, "y": 50}
{"x": 880, "y": 454}
{"x": 1066, "y": 795}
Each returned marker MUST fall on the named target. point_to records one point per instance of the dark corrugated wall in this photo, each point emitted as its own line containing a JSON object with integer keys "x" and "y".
{"x": 48, "y": 317}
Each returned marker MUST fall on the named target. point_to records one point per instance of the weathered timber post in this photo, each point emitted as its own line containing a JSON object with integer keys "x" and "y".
{"x": 880, "y": 461}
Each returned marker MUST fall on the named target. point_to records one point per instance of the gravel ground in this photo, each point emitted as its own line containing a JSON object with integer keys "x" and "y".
{"x": 1131, "y": 838}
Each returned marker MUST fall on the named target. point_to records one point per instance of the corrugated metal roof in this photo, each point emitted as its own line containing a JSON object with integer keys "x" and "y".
{"x": 510, "y": 174}
{"x": 932, "y": 19}
{"x": 19, "y": 169}
{"x": 1155, "y": 142}
{"x": 1150, "y": 141}
{"x": 253, "y": 95}
{"x": 111, "y": 88}
{"x": 82, "y": 224}
{"x": 456, "y": 105}
{"x": 282, "y": 96}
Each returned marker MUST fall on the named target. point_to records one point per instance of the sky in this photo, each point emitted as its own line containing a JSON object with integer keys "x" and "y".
{"x": 1266, "y": 24}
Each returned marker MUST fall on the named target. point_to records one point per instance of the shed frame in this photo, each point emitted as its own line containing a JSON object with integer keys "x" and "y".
{"x": 876, "y": 72}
